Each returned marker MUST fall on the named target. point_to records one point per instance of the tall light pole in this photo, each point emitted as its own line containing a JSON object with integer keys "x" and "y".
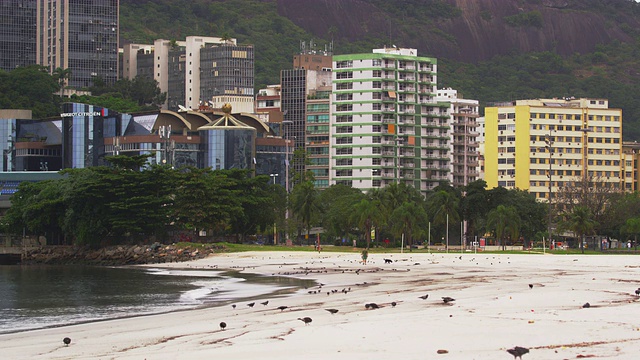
{"x": 286, "y": 177}
{"x": 275, "y": 231}
{"x": 549, "y": 145}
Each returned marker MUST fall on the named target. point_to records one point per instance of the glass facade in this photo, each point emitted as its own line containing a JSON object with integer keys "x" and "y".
{"x": 226, "y": 70}
{"x": 17, "y": 33}
{"x": 79, "y": 35}
{"x": 83, "y": 135}
{"x": 228, "y": 149}
{"x": 7, "y": 138}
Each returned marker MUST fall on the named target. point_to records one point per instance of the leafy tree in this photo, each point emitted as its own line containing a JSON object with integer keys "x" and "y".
{"x": 503, "y": 220}
{"x": 37, "y": 208}
{"x": 256, "y": 195}
{"x": 474, "y": 205}
{"x": 205, "y": 200}
{"x": 30, "y": 87}
{"x": 367, "y": 214}
{"x": 580, "y": 221}
{"x": 407, "y": 219}
{"x": 336, "y": 203}
{"x": 304, "y": 203}
{"x": 632, "y": 227}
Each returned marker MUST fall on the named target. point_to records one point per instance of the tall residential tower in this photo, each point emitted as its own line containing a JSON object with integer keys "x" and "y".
{"x": 386, "y": 125}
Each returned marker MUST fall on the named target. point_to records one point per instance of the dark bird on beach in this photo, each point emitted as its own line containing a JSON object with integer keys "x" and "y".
{"x": 251, "y": 304}
{"x": 332, "y": 311}
{"x": 530, "y": 286}
{"x": 223, "y": 325}
{"x": 393, "y": 304}
{"x": 233, "y": 306}
{"x": 372, "y": 306}
{"x": 518, "y": 351}
{"x": 586, "y": 305}
{"x": 282, "y": 307}
{"x": 638, "y": 292}
{"x": 424, "y": 297}
{"x": 447, "y": 299}
{"x": 66, "y": 341}
{"x": 306, "y": 320}
{"x": 265, "y": 303}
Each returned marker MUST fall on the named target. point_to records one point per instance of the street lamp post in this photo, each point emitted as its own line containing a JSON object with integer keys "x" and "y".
{"x": 275, "y": 231}
{"x": 286, "y": 177}
{"x": 549, "y": 145}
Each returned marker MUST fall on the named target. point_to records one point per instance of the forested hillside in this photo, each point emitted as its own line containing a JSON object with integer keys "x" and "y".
{"x": 491, "y": 50}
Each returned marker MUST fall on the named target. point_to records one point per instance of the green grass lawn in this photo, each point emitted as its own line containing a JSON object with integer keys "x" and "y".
{"x": 231, "y": 247}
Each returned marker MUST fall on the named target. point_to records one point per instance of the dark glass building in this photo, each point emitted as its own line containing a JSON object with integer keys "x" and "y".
{"x": 17, "y": 33}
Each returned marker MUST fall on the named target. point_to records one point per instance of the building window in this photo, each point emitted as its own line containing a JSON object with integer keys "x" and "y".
{"x": 344, "y": 75}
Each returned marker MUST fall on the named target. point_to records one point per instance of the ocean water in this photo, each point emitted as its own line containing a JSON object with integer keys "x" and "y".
{"x": 34, "y": 297}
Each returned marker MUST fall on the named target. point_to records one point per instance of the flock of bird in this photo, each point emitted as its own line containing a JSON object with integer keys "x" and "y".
{"x": 516, "y": 352}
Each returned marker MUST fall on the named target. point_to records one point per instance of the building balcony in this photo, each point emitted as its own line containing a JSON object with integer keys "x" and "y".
{"x": 468, "y": 174}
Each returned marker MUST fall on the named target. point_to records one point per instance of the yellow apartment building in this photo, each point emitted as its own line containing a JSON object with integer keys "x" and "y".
{"x": 631, "y": 151}
{"x": 539, "y": 145}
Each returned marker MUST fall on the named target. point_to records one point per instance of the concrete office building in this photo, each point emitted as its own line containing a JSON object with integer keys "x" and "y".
{"x": 542, "y": 145}
{"x": 200, "y": 71}
{"x": 464, "y": 143}
{"x": 386, "y": 125}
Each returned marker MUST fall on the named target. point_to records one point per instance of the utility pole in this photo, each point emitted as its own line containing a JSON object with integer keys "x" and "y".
{"x": 549, "y": 145}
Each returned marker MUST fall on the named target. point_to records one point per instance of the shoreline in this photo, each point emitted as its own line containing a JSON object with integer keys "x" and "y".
{"x": 494, "y": 310}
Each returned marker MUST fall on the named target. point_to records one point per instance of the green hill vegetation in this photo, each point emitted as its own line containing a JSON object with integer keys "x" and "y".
{"x": 608, "y": 72}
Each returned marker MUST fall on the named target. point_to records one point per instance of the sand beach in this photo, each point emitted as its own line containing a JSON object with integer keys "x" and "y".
{"x": 495, "y": 309}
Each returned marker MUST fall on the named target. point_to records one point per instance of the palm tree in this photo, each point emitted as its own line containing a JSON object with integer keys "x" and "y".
{"x": 580, "y": 221}
{"x": 366, "y": 215}
{"x": 304, "y": 203}
{"x": 443, "y": 205}
{"x": 504, "y": 220}
{"x": 61, "y": 76}
{"x": 406, "y": 219}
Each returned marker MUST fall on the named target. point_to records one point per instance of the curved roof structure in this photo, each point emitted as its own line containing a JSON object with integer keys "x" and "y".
{"x": 168, "y": 117}
{"x": 226, "y": 121}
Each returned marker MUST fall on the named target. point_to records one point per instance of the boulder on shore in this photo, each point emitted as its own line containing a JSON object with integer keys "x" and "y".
{"x": 118, "y": 255}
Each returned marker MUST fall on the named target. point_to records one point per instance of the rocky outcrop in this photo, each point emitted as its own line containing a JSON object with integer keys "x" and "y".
{"x": 479, "y": 32}
{"x": 118, "y": 255}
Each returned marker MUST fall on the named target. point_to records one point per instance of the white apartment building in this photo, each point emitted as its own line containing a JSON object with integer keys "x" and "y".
{"x": 386, "y": 124}
{"x": 463, "y": 150}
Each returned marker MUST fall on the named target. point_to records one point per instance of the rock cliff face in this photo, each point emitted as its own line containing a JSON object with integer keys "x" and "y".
{"x": 479, "y": 32}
